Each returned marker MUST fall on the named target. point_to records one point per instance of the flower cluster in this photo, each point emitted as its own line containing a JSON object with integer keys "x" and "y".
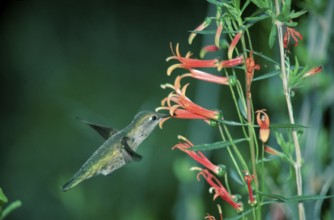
{"x": 180, "y": 106}
{"x": 198, "y": 156}
{"x": 218, "y": 188}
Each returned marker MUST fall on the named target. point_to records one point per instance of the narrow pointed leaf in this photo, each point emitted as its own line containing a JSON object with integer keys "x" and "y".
{"x": 288, "y": 126}
{"x": 242, "y": 109}
{"x": 3, "y": 198}
{"x": 297, "y": 14}
{"x": 216, "y": 145}
{"x": 272, "y": 36}
{"x": 294, "y": 199}
{"x": 11, "y": 207}
{"x": 240, "y": 216}
{"x": 232, "y": 123}
{"x": 267, "y": 75}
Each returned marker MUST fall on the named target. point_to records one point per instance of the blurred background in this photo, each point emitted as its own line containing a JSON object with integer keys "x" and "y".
{"x": 103, "y": 61}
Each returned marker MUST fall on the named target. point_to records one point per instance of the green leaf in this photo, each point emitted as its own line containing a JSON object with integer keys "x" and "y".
{"x": 242, "y": 109}
{"x": 297, "y": 14}
{"x": 3, "y": 198}
{"x": 261, "y": 3}
{"x": 287, "y": 126}
{"x": 241, "y": 215}
{"x": 293, "y": 199}
{"x": 232, "y": 123}
{"x": 215, "y": 2}
{"x": 264, "y": 57}
{"x": 272, "y": 36}
{"x": 216, "y": 145}
{"x": 267, "y": 75}
{"x": 11, "y": 207}
{"x": 286, "y": 7}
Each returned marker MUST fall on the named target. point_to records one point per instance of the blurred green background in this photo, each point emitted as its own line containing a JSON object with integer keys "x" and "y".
{"x": 103, "y": 61}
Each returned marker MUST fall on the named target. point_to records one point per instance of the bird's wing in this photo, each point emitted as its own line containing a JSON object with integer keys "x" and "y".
{"x": 129, "y": 154}
{"x": 104, "y": 131}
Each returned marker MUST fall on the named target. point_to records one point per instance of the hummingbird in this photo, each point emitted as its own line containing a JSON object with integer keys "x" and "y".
{"x": 118, "y": 149}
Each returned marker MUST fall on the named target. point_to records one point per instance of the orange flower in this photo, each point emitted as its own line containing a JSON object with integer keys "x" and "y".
{"x": 230, "y": 63}
{"x": 272, "y": 151}
{"x": 218, "y": 188}
{"x": 182, "y": 102}
{"x": 233, "y": 44}
{"x": 248, "y": 179}
{"x": 263, "y": 121}
{"x": 291, "y": 32}
{"x": 199, "y": 28}
{"x": 187, "y": 62}
{"x": 208, "y": 48}
{"x": 197, "y": 155}
{"x": 200, "y": 75}
{"x": 313, "y": 71}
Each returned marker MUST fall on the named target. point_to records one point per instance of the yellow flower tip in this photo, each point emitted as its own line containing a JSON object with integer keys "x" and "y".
{"x": 172, "y": 68}
{"x": 218, "y": 33}
{"x": 264, "y": 135}
{"x": 180, "y": 137}
{"x": 191, "y": 38}
{"x": 196, "y": 169}
{"x": 163, "y": 121}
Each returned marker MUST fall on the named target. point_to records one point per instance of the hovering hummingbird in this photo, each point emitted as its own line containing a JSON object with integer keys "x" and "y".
{"x": 118, "y": 149}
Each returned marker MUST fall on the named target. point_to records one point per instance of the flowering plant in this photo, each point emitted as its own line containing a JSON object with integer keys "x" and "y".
{"x": 232, "y": 39}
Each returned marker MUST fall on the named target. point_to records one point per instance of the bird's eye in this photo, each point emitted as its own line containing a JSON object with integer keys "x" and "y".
{"x": 153, "y": 118}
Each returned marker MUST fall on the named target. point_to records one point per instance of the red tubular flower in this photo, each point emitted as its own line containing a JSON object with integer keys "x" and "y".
{"x": 263, "y": 121}
{"x": 230, "y": 63}
{"x": 233, "y": 44}
{"x": 272, "y": 151}
{"x": 182, "y": 102}
{"x": 187, "y": 62}
{"x": 313, "y": 71}
{"x": 208, "y": 48}
{"x": 291, "y": 32}
{"x": 200, "y": 75}
{"x": 248, "y": 179}
{"x": 197, "y": 155}
{"x": 199, "y": 28}
{"x": 219, "y": 189}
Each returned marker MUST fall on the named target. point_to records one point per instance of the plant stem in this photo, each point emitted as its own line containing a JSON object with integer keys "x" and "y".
{"x": 286, "y": 90}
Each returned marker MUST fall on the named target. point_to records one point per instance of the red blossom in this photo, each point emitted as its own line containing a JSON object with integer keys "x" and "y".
{"x": 272, "y": 151}
{"x": 187, "y": 62}
{"x": 208, "y": 48}
{"x": 231, "y": 62}
{"x": 233, "y": 44}
{"x": 291, "y": 32}
{"x": 263, "y": 121}
{"x": 197, "y": 155}
{"x": 313, "y": 71}
{"x": 249, "y": 178}
{"x": 199, "y": 28}
{"x": 201, "y": 75}
{"x": 177, "y": 100}
{"x": 218, "y": 188}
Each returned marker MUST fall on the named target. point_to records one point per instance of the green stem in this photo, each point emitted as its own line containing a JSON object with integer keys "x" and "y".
{"x": 286, "y": 89}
